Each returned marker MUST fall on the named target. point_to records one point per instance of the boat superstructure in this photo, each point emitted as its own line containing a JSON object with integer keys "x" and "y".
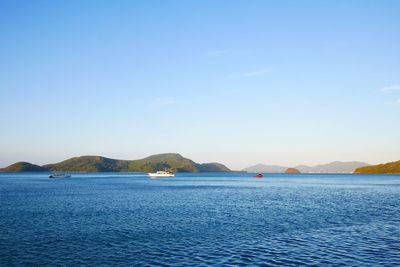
{"x": 161, "y": 174}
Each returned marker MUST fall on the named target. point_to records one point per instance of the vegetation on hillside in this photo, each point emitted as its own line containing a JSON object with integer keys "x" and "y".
{"x": 388, "y": 168}
{"x": 170, "y": 161}
{"x": 212, "y": 167}
{"x": 89, "y": 164}
{"x": 23, "y": 167}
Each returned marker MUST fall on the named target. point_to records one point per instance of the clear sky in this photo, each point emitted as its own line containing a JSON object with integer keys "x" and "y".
{"x": 237, "y": 82}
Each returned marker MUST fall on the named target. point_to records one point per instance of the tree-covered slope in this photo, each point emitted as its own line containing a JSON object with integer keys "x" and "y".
{"x": 170, "y": 161}
{"x": 174, "y": 162}
{"x": 89, "y": 164}
{"x": 23, "y": 167}
{"x": 389, "y": 168}
{"x": 213, "y": 167}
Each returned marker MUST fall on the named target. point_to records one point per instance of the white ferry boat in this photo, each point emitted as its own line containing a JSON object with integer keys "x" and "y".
{"x": 161, "y": 174}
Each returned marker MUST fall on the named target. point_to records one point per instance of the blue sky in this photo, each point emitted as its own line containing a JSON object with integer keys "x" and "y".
{"x": 237, "y": 82}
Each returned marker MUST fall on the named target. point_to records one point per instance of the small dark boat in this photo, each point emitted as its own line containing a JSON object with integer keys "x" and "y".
{"x": 259, "y": 175}
{"x": 59, "y": 175}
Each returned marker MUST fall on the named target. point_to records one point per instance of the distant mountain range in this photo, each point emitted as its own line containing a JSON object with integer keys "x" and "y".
{"x": 170, "y": 161}
{"x": 333, "y": 167}
{"x": 388, "y": 168}
{"x": 266, "y": 168}
{"x": 176, "y": 162}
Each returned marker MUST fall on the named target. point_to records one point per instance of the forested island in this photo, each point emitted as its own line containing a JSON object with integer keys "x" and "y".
{"x": 176, "y": 163}
{"x": 171, "y": 161}
{"x": 388, "y": 168}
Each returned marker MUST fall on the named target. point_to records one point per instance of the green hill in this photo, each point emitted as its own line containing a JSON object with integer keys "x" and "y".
{"x": 169, "y": 161}
{"x": 213, "y": 167}
{"x": 388, "y": 168}
{"x": 23, "y": 167}
{"x": 89, "y": 164}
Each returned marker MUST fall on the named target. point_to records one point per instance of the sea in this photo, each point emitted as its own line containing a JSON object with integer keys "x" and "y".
{"x": 203, "y": 219}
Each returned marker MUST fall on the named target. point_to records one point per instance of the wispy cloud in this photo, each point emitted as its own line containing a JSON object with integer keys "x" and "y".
{"x": 162, "y": 102}
{"x": 391, "y": 88}
{"x": 215, "y": 53}
{"x": 255, "y": 73}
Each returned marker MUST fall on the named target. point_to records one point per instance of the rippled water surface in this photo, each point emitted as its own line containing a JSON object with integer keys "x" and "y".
{"x": 199, "y": 219}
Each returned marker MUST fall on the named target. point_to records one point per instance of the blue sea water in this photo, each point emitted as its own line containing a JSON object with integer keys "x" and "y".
{"x": 230, "y": 219}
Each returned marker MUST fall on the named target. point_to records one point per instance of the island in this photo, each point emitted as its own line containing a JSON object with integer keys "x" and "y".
{"x": 170, "y": 161}
{"x": 292, "y": 170}
{"x": 332, "y": 167}
{"x": 386, "y": 168}
{"x": 23, "y": 167}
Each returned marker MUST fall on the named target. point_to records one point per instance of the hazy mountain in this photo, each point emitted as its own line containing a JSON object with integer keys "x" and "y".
{"x": 153, "y": 163}
{"x": 389, "y": 168}
{"x": 266, "y": 168}
{"x": 333, "y": 167}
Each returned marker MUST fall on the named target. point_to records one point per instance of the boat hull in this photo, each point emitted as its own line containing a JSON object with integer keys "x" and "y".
{"x": 55, "y": 176}
{"x": 156, "y": 175}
